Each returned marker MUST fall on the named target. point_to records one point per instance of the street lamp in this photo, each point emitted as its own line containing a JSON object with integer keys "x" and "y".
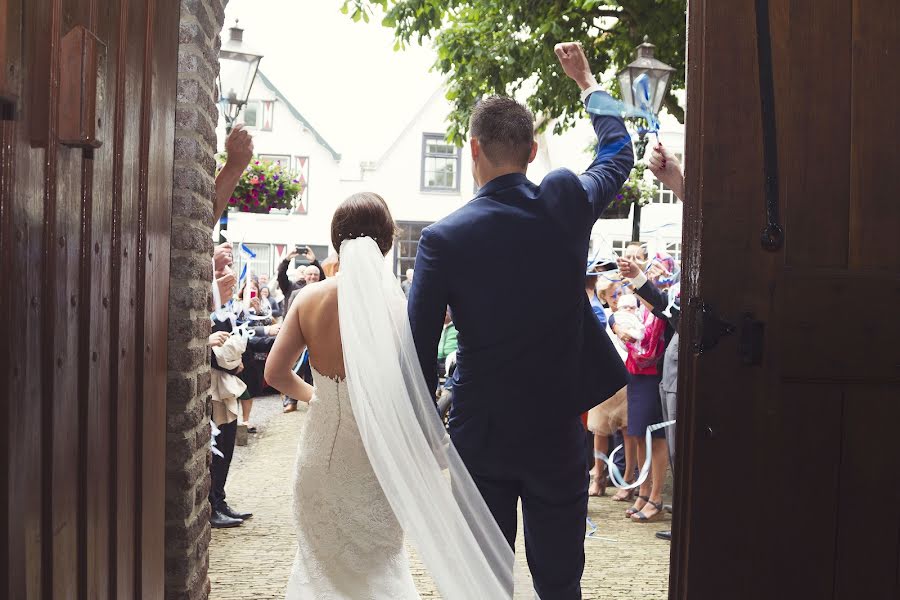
{"x": 644, "y": 84}
{"x": 237, "y": 72}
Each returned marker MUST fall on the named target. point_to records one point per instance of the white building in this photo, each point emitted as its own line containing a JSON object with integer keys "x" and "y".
{"x": 420, "y": 175}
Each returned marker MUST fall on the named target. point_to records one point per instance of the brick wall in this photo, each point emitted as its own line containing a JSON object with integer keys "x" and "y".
{"x": 187, "y": 404}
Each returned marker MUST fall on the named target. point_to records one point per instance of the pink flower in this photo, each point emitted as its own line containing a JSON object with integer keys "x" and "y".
{"x": 254, "y": 180}
{"x": 245, "y": 208}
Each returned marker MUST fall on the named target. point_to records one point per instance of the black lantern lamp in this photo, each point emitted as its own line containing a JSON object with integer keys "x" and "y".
{"x": 237, "y": 72}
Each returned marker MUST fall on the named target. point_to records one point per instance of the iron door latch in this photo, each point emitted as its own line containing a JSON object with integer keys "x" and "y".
{"x": 709, "y": 328}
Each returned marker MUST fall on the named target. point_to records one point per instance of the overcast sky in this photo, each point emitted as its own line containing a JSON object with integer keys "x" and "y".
{"x": 344, "y": 77}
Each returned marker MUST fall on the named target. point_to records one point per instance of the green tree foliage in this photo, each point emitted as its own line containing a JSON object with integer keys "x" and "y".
{"x": 495, "y": 46}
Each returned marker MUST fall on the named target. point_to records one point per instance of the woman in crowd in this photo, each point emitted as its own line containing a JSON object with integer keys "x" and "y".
{"x": 269, "y": 305}
{"x": 609, "y": 420}
{"x": 644, "y": 407}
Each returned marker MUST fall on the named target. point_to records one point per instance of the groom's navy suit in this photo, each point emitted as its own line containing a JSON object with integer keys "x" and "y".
{"x": 532, "y": 357}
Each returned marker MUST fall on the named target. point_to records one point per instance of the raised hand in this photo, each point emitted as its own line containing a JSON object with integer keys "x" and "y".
{"x": 223, "y": 256}
{"x": 226, "y": 285}
{"x": 218, "y": 338}
{"x": 575, "y": 64}
{"x": 239, "y": 148}
{"x": 628, "y": 268}
{"x": 665, "y": 166}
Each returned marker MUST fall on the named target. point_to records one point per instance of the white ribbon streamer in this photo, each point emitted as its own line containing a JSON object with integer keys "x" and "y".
{"x": 615, "y": 476}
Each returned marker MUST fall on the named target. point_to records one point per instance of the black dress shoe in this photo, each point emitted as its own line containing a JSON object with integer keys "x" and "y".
{"x": 664, "y": 535}
{"x": 219, "y": 520}
{"x": 230, "y": 512}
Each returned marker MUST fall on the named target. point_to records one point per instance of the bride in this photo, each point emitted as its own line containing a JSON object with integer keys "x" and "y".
{"x": 374, "y": 463}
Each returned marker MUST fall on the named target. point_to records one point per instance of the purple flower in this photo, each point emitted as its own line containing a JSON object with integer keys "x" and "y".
{"x": 232, "y": 200}
{"x": 618, "y": 196}
{"x": 280, "y": 192}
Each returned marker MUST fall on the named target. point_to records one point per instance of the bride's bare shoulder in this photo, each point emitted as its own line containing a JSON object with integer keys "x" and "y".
{"x": 318, "y": 294}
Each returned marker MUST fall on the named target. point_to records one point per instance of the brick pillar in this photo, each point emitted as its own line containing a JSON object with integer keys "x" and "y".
{"x": 187, "y": 397}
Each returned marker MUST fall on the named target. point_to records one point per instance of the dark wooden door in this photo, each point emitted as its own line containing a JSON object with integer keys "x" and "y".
{"x": 84, "y": 235}
{"x": 789, "y": 471}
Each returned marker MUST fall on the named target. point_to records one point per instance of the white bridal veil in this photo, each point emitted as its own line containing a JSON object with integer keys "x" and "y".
{"x": 425, "y": 481}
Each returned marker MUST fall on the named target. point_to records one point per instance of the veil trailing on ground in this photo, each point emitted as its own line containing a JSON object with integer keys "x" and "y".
{"x": 424, "y": 479}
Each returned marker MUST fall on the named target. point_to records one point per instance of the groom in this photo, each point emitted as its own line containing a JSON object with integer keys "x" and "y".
{"x": 529, "y": 362}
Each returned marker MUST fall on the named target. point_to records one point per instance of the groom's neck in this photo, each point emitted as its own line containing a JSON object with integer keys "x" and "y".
{"x": 493, "y": 173}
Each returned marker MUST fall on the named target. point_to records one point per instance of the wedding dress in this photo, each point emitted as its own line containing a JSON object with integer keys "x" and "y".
{"x": 375, "y": 465}
{"x": 350, "y": 544}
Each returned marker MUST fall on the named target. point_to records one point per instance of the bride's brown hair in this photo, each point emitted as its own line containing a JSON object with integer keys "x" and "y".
{"x": 365, "y": 214}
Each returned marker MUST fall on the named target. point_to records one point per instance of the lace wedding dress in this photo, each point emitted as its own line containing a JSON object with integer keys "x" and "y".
{"x": 350, "y": 543}
{"x": 375, "y": 463}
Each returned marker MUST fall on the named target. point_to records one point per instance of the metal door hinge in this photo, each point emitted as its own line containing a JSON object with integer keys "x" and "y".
{"x": 709, "y": 328}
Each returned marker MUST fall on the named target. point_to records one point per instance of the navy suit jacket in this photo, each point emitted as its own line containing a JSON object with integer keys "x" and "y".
{"x": 511, "y": 265}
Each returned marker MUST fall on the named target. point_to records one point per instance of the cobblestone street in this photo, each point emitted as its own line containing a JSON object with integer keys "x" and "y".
{"x": 624, "y": 559}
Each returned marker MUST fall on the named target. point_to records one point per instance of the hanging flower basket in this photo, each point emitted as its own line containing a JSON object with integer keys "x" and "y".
{"x": 635, "y": 189}
{"x": 265, "y": 187}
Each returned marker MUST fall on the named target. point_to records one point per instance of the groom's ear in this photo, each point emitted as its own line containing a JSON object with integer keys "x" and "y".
{"x": 475, "y": 147}
{"x": 534, "y": 149}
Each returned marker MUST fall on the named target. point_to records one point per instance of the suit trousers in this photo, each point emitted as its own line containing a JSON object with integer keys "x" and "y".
{"x": 669, "y": 401}
{"x": 218, "y": 468}
{"x": 554, "y": 509}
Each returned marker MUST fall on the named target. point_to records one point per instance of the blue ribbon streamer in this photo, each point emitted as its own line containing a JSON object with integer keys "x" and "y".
{"x": 247, "y": 251}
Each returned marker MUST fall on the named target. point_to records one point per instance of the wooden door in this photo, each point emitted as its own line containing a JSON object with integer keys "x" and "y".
{"x": 84, "y": 237}
{"x": 789, "y": 471}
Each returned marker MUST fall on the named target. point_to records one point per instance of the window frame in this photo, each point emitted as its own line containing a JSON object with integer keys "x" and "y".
{"x": 256, "y": 124}
{"x": 402, "y": 225}
{"x": 426, "y": 137}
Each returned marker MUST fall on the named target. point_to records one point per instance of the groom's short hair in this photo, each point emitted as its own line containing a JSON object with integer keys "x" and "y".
{"x": 504, "y": 129}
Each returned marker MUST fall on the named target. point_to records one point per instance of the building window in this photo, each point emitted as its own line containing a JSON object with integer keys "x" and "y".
{"x": 674, "y": 250}
{"x": 406, "y": 245}
{"x": 664, "y": 195}
{"x": 440, "y": 164}
{"x": 251, "y": 116}
{"x": 261, "y": 264}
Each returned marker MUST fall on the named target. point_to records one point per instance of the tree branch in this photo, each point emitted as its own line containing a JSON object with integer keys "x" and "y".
{"x": 671, "y": 104}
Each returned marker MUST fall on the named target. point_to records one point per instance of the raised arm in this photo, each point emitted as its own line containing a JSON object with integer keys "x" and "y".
{"x": 428, "y": 305}
{"x": 614, "y": 158}
{"x": 239, "y": 147}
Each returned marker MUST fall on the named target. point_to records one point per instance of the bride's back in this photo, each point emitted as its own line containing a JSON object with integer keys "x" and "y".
{"x": 317, "y": 312}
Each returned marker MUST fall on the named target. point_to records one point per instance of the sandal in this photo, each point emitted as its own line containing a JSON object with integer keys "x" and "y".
{"x": 627, "y": 497}
{"x": 639, "y": 516}
{"x": 634, "y": 510}
{"x": 250, "y": 428}
{"x": 600, "y": 480}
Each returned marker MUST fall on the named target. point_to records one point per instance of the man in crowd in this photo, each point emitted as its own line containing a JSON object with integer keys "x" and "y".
{"x": 303, "y": 275}
{"x": 407, "y": 283}
{"x": 239, "y": 147}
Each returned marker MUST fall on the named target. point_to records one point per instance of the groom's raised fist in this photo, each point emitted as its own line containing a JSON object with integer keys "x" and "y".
{"x": 575, "y": 63}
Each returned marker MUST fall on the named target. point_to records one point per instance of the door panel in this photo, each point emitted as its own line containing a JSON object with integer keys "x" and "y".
{"x": 784, "y": 467}
{"x": 84, "y": 234}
